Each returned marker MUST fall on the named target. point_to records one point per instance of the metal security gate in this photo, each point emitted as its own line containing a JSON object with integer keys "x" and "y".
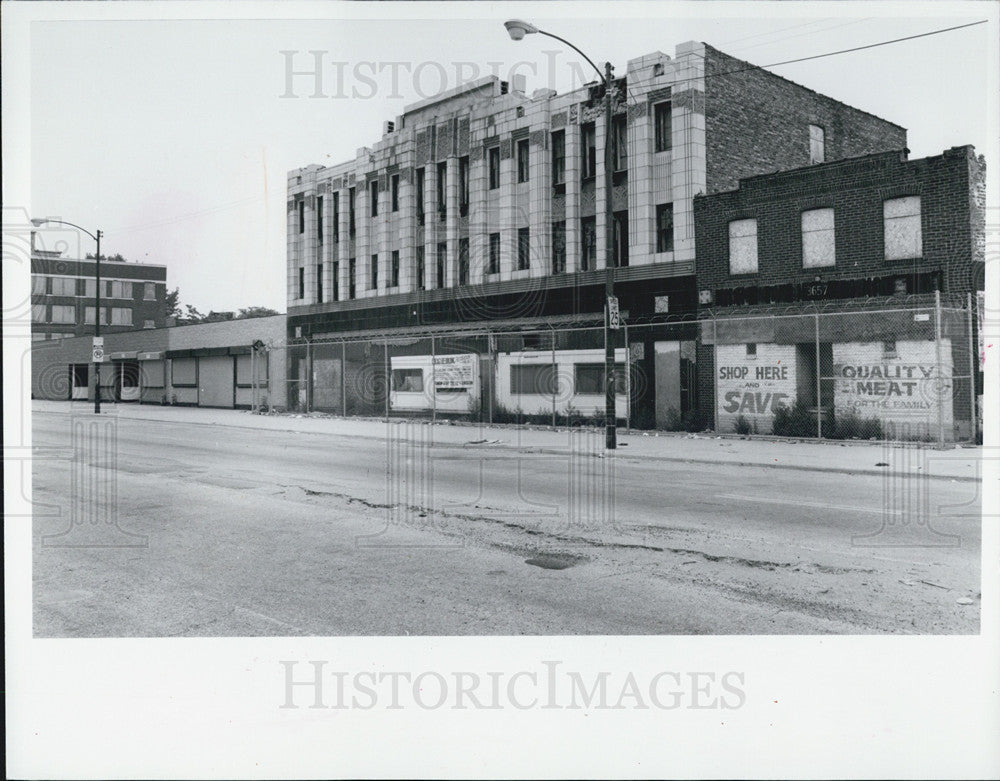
{"x": 217, "y": 381}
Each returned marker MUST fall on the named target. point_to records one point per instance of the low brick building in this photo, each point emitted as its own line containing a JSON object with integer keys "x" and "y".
{"x": 880, "y": 232}
{"x": 206, "y": 365}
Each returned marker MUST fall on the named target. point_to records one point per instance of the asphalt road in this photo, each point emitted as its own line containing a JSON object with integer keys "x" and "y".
{"x": 215, "y": 530}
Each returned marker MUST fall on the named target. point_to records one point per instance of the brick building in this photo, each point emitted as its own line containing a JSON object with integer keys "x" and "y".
{"x": 484, "y": 206}
{"x": 879, "y": 230}
{"x": 63, "y": 294}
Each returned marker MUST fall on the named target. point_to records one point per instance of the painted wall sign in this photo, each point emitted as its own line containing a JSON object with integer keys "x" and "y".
{"x": 753, "y": 386}
{"x": 902, "y": 388}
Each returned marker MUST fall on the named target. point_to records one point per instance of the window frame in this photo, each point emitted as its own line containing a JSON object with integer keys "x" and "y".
{"x": 493, "y": 166}
{"x": 917, "y": 221}
{"x": 663, "y": 126}
{"x": 817, "y": 142}
{"x": 619, "y": 141}
{"x": 664, "y": 234}
{"x": 524, "y": 249}
{"x": 540, "y": 379}
{"x": 598, "y": 384}
{"x": 559, "y": 157}
{"x": 588, "y": 151}
{"x": 810, "y": 247}
{"x": 523, "y": 150}
{"x": 738, "y": 242}
{"x": 559, "y": 247}
{"x": 494, "y": 254}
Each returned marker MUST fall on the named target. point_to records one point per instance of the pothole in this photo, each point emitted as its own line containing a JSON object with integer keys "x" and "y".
{"x": 554, "y": 561}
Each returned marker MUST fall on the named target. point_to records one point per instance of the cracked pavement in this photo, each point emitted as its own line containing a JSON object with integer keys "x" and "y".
{"x": 235, "y": 531}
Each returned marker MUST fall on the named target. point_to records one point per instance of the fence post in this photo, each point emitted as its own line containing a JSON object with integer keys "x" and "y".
{"x": 343, "y": 376}
{"x": 433, "y": 381}
{"x": 940, "y": 377}
{"x": 555, "y": 377}
{"x": 253, "y": 380}
{"x": 388, "y": 378}
{"x": 628, "y": 383}
{"x": 974, "y": 431}
{"x": 493, "y": 371}
{"x": 309, "y": 377}
{"x": 819, "y": 383}
{"x": 715, "y": 376}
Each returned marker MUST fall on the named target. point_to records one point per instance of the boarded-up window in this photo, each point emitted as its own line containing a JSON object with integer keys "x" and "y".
{"x": 818, "y": 238}
{"x": 184, "y": 372}
{"x": 903, "y": 238}
{"x": 817, "y": 144}
{"x": 743, "y": 247}
{"x": 588, "y": 378}
{"x": 533, "y": 379}
{"x": 408, "y": 380}
{"x": 247, "y": 365}
{"x": 152, "y": 374}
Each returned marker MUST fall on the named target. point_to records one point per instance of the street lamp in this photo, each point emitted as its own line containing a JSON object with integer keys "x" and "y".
{"x": 517, "y": 29}
{"x": 97, "y": 304}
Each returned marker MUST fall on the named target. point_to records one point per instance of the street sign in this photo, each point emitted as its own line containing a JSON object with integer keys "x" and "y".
{"x": 614, "y": 321}
{"x": 98, "y": 349}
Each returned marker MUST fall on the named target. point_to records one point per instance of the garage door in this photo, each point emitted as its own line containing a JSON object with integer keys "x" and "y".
{"x": 216, "y": 381}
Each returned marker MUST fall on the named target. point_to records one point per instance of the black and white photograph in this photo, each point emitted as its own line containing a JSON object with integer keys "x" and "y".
{"x": 501, "y": 389}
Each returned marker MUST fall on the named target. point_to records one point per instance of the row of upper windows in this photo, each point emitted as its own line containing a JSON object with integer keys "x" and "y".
{"x": 588, "y": 255}
{"x": 74, "y": 286}
{"x": 662, "y": 142}
{"x": 68, "y": 314}
{"x": 588, "y": 170}
{"x": 903, "y": 239}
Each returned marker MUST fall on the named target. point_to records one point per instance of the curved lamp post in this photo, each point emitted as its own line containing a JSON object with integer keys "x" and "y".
{"x": 97, "y": 304}
{"x": 517, "y": 29}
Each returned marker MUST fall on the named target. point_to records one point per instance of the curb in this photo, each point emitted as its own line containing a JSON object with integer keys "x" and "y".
{"x": 548, "y": 450}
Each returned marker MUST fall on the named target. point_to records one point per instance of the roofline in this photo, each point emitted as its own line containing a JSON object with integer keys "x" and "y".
{"x": 904, "y": 153}
{"x": 129, "y": 263}
{"x": 801, "y": 86}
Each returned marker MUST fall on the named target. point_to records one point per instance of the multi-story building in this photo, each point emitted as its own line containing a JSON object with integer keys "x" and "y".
{"x": 788, "y": 264}
{"x": 486, "y": 204}
{"x": 63, "y": 294}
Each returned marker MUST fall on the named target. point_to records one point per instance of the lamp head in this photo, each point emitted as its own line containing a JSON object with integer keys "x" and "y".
{"x": 517, "y": 28}
{"x": 36, "y": 222}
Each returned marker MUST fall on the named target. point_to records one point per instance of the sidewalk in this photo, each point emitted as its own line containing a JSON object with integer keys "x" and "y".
{"x": 957, "y": 463}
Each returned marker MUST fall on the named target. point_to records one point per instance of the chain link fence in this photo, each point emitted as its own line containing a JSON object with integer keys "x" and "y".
{"x": 888, "y": 373}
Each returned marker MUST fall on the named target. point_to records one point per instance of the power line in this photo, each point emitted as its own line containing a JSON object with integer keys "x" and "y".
{"x": 873, "y": 45}
{"x": 244, "y": 201}
{"x": 750, "y": 67}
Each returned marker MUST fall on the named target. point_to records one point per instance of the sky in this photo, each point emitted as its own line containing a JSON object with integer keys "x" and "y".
{"x": 175, "y": 136}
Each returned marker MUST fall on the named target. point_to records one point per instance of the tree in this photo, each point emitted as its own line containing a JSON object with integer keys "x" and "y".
{"x": 187, "y": 314}
{"x": 255, "y": 311}
{"x": 172, "y": 304}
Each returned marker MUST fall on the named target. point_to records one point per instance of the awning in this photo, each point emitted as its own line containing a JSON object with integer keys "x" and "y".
{"x": 122, "y": 356}
{"x": 157, "y": 356}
